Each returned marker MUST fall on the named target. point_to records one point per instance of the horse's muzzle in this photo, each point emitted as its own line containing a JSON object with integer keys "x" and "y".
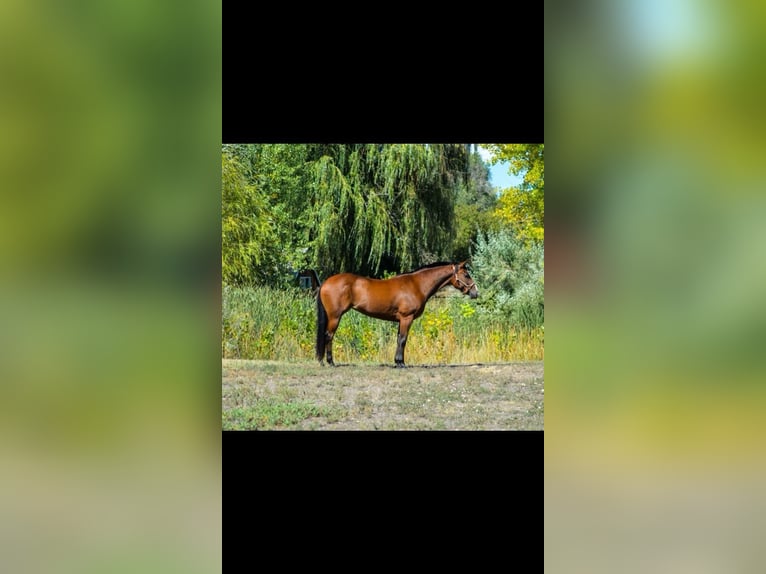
{"x": 473, "y": 293}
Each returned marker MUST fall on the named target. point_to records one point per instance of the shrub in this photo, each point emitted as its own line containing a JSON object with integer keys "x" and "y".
{"x": 510, "y": 276}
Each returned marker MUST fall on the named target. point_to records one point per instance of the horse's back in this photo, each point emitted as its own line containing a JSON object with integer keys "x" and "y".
{"x": 339, "y": 281}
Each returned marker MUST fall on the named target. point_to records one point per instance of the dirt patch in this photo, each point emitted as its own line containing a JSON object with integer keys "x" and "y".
{"x": 502, "y": 396}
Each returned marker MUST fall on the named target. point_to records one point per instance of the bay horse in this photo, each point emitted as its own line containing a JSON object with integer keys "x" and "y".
{"x": 400, "y": 299}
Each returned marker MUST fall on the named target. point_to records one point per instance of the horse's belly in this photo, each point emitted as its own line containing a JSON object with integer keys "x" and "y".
{"x": 386, "y": 315}
{"x": 373, "y": 299}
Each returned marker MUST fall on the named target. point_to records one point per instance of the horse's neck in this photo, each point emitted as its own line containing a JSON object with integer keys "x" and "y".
{"x": 434, "y": 279}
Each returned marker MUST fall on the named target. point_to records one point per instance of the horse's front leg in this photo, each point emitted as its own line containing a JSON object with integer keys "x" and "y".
{"x": 404, "y": 328}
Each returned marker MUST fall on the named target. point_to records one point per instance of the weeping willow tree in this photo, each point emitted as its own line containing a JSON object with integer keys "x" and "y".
{"x": 355, "y": 207}
{"x": 372, "y": 202}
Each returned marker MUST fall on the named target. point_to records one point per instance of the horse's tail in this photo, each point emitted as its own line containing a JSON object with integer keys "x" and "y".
{"x": 321, "y": 328}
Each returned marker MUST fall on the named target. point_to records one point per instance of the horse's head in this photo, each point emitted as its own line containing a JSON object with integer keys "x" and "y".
{"x": 462, "y": 280}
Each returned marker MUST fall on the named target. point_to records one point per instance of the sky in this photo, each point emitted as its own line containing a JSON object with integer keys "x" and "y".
{"x": 500, "y": 176}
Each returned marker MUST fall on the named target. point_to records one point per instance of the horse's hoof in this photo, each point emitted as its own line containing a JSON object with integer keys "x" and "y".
{"x": 400, "y": 366}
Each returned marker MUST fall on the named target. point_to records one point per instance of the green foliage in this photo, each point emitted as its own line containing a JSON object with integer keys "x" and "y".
{"x": 246, "y": 226}
{"x": 477, "y": 189}
{"x": 470, "y": 221}
{"x": 258, "y": 322}
{"x": 337, "y": 208}
{"x": 279, "y": 324}
{"x": 510, "y": 273}
{"x": 366, "y": 208}
{"x": 277, "y": 171}
{"x": 473, "y": 209}
{"x": 523, "y": 206}
{"x": 376, "y": 201}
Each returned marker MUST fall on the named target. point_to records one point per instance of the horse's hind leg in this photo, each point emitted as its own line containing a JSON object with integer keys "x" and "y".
{"x": 332, "y": 326}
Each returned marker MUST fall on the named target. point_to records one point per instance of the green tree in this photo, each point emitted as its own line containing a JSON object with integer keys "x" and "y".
{"x": 473, "y": 209}
{"x": 247, "y": 229}
{"x": 373, "y": 202}
{"x": 339, "y": 207}
{"x": 279, "y": 172}
{"x": 523, "y": 206}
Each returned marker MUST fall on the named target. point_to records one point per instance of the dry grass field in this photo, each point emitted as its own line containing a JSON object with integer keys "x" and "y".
{"x": 268, "y": 395}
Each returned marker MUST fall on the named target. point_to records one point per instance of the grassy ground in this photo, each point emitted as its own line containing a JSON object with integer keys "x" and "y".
{"x": 280, "y": 395}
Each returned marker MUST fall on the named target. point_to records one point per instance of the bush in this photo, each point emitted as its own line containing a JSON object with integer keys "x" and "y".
{"x": 510, "y": 277}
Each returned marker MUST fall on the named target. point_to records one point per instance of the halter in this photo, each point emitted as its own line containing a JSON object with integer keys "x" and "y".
{"x": 463, "y": 283}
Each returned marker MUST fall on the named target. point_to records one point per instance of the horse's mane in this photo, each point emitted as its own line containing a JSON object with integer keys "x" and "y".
{"x": 430, "y": 265}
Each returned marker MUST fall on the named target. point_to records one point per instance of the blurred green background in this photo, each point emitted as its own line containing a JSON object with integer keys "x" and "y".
{"x": 110, "y": 286}
{"x": 656, "y": 286}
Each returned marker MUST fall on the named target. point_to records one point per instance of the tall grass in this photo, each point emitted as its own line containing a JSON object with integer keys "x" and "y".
{"x": 264, "y": 323}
